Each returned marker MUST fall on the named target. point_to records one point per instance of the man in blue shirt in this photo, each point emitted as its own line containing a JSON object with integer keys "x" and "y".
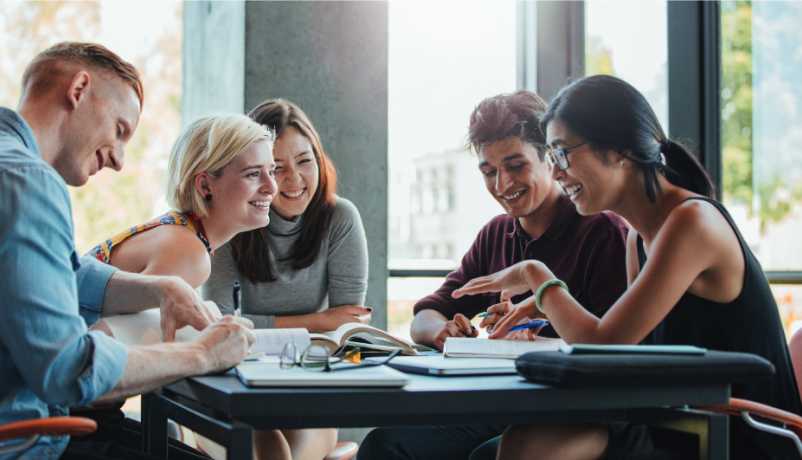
{"x": 79, "y": 106}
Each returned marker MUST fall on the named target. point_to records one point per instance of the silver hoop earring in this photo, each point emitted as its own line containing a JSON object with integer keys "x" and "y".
{"x": 623, "y": 163}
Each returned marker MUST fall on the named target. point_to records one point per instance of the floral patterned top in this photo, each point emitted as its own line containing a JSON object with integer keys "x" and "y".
{"x": 102, "y": 251}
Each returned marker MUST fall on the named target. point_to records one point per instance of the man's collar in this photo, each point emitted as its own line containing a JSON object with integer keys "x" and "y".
{"x": 13, "y": 124}
{"x": 558, "y": 226}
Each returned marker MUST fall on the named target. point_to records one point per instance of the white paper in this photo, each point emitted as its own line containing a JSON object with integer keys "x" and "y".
{"x": 272, "y": 341}
{"x": 144, "y": 328}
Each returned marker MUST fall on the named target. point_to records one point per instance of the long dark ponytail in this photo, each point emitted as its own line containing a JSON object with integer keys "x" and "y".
{"x": 610, "y": 114}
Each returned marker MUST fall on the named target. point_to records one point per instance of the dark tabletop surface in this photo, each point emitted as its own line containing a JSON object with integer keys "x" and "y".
{"x": 428, "y": 400}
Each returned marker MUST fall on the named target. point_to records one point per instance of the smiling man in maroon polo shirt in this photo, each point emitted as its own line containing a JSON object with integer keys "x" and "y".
{"x": 587, "y": 252}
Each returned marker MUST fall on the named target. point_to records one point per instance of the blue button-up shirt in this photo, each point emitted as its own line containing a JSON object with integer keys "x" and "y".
{"x": 48, "y": 360}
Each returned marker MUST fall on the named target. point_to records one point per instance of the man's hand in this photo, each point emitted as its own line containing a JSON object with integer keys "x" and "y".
{"x": 181, "y": 306}
{"x": 521, "y": 313}
{"x": 499, "y": 311}
{"x": 496, "y": 312}
{"x": 458, "y": 327}
{"x": 227, "y": 342}
{"x": 220, "y": 346}
{"x": 335, "y": 317}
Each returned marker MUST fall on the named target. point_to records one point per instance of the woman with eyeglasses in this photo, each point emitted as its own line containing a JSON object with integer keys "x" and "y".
{"x": 692, "y": 278}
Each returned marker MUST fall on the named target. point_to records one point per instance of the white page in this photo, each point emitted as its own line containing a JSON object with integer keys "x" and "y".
{"x": 272, "y": 341}
{"x": 373, "y": 339}
{"x": 144, "y": 328}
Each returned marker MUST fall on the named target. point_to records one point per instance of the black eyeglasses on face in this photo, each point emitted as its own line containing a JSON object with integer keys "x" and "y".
{"x": 559, "y": 157}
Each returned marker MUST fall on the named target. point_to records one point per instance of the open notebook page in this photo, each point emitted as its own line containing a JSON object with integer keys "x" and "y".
{"x": 272, "y": 341}
{"x": 144, "y": 328}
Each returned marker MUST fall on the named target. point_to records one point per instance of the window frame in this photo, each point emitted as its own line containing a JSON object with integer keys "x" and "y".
{"x": 694, "y": 78}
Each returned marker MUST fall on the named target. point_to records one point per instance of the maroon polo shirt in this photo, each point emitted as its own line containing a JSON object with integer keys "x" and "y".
{"x": 586, "y": 252}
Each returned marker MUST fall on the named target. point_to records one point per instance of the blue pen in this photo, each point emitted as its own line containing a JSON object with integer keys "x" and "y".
{"x": 535, "y": 323}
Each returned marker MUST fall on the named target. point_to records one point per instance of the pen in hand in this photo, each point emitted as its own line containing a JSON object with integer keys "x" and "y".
{"x": 536, "y": 323}
{"x": 237, "y": 299}
{"x": 486, "y": 314}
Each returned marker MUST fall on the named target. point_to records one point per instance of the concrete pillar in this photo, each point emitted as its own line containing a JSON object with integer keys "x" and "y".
{"x": 213, "y": 59}
{"x": 330, "y": 58}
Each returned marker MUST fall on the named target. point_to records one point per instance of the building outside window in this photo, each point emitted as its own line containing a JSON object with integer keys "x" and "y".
{"x": 445, "y": 57}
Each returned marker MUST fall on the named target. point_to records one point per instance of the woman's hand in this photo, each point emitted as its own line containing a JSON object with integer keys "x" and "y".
{"x": 520, "y": 278}
{"x": 335, "y": 317}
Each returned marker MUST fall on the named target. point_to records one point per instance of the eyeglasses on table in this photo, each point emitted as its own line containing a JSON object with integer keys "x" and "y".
{"x": 315, "y": 358}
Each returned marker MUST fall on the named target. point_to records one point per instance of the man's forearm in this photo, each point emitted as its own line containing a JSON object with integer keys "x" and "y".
{"x": 426, "y": 325}
{"x": 220, "y": 346}
{"x": 131, "y": 293}
{"x": 153, "y": 366}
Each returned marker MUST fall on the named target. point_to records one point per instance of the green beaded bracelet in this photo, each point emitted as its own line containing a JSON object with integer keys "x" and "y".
{"x": 543, "y": 288}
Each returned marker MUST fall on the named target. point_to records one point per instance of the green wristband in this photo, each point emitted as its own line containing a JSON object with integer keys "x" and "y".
{"x": 543, "y": 288}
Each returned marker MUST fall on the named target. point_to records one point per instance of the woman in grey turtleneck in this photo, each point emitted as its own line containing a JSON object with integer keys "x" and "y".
{"x": 309, "y": 266}
{"x": 313, "y": 254}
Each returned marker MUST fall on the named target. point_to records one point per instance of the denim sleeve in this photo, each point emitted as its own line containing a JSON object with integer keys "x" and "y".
{"x": 92, "y": 277}
{"x": 44, "y": 339}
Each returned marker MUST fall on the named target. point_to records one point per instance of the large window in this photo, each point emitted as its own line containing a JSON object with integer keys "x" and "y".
{"x": 147, "y": 34}
{"x": 629, "y": 40}
{"x": 445, "y": 57}
{"x": 762, "y": 174}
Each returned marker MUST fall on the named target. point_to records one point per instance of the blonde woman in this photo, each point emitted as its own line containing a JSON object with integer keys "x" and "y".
{"x": 220, "y": 183}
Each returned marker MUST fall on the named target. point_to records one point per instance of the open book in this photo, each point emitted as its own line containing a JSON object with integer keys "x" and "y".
{"x": 466, "y": 347}
{"x": 366, "y": 337}
{"x": 145, "y": 329}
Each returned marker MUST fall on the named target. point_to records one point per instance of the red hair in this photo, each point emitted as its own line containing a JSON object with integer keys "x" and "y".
{"x": 41, "y": 71}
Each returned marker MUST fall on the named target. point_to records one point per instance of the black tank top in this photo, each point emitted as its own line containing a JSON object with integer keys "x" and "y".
{"x": 750, "y": 324}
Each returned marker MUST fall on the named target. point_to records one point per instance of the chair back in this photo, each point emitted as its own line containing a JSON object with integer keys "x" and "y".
{"x": 795, "y": 346}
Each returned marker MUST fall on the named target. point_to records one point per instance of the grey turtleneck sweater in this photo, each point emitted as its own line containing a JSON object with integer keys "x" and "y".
{"x": 339, "y": 276}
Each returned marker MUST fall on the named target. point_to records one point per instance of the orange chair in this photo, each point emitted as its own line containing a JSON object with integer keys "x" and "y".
{"x": 767, "y": 418}
{"x": 30, "y": 431}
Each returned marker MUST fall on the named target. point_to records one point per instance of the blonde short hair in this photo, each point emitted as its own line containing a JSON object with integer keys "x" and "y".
{"x": 208, "y": 145}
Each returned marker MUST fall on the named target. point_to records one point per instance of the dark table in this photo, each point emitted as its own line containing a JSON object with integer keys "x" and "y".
{"x": 225, "y": 411}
